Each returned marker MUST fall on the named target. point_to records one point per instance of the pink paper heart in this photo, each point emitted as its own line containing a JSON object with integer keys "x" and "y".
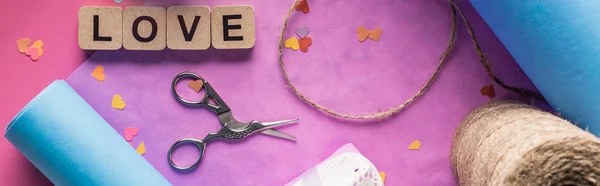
{"x": 30, "y": 50}
{"x": 35, "y": 55}
{"x": 130, "y": 132}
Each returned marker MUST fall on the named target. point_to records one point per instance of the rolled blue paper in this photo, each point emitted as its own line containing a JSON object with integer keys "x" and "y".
{"x": 71, "y": 144}
{"x": 557, "y": 44}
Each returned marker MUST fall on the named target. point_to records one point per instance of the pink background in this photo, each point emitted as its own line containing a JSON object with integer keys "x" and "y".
{"x": 55, "y": 23}
{"x": 337, "y": 72}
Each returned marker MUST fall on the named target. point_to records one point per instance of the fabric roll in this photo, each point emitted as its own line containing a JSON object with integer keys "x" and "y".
{"x": 71, "y": 144}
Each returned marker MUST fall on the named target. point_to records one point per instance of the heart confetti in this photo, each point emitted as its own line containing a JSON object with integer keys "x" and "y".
{"x": 129, "y": 132}
{"x": 375, "y": 34}
{"x": 415, "y": 145}
{"x": 304, "y": 43}
{"x": 118, "y": 102}
{"x": 35, "y": 55}
{"x": 29, "y": 51}
{"x": 363, "y": 34}
{"x": 196, "y": 85}
{"x": 39, "y": 45}
{"x": 40, "y": 51}
{"x": 292, "y": 43}
{"x": 303, "y": 6}
{"x": 32, "y": 53}
{"x": 22, "y": 44}
{"x": 488, "y": 91}
{"x": 98, "y": 73}
{"x": 302, "y": 32}
{"x": 141, "y": 149}
{"x": 382, "y": 175}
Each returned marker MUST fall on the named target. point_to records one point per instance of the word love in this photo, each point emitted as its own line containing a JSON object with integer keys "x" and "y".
{"x": 178, "y": 27}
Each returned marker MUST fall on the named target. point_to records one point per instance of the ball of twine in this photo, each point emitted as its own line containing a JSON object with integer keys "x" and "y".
{"x": 508, "y": 143}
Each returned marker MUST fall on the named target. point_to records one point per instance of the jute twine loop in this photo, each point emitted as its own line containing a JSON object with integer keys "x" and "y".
{"x": 508, "y": 143}
{"x": 443, "y": 59}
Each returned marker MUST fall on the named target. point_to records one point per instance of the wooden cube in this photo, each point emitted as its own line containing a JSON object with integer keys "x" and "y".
{"x": 188, "y": 27}
{"x": 144, "y": 28}
{"x": 233, "y": 27}
{"x": 100, "y": 27}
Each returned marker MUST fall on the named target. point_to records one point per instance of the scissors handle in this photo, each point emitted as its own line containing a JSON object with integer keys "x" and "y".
{"x": 221, "y": 107}
{"x": 198, "y": 143}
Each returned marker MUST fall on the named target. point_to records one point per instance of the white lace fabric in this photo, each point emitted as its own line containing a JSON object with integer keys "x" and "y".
{"x": 341, "y": 169}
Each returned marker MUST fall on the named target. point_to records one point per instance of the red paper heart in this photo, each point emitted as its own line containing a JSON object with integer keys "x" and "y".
{"x": 304, "y": 43}
{"x": 303, "y": 6}
{"x": 488, "y": 91}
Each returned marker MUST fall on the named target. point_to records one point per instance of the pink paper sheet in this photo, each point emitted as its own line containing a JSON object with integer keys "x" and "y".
{"x": 337, "y": 71}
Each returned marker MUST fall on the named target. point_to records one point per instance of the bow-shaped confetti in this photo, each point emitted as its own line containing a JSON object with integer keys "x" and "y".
{"x": 363, "y": 34}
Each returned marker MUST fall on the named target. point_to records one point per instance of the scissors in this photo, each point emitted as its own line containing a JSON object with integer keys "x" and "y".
{"x": 231, "y": 128}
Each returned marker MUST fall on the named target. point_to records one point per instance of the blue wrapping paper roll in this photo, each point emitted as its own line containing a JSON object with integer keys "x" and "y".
{"x": 71, "y": 144}
{"x": 557, "y": 44}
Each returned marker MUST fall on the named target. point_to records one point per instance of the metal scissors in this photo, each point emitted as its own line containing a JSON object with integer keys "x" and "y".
{"x": 231, "y": 128}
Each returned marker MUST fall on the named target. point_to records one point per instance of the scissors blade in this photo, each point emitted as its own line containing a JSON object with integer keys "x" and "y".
{"x": 278, "y": 123}
{"x": 278, "y": 134}
{"x": 270, "y": 131}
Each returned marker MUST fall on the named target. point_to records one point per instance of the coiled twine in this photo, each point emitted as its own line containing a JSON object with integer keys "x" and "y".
{"x": 509, "y": 143}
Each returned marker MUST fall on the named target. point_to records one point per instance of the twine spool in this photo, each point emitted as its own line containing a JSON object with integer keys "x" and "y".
{"x": 508, "y": 143}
